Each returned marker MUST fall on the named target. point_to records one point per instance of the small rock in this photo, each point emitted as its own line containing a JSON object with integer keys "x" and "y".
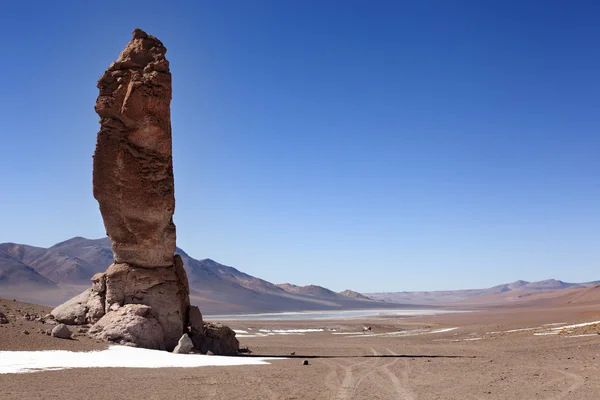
{"x": 48, "y": 332}
{"x": 3, "y": 319}
{"x": 210, "y": 353}
{"x": 184, "y": 346}
{"x": 305, "y": 362}
{"x": 26, "y": 332}
{"x": 61, "y": 331}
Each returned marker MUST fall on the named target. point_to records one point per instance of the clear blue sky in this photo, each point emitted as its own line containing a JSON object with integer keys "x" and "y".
{"x": 372, "y": 145}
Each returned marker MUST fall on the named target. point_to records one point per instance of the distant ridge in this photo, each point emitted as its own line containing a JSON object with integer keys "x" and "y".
{"x": 508, "y": 291}
{"x": 354, "y": 295}
{"x": 52, "y": 275}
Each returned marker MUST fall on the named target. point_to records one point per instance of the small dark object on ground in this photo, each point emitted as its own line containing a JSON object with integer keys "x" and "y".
{"x": 26, "y": 332}
{"x": 305, "y": 362}
{"x": 244, "y": 350}
{"x": 293, "y": 353}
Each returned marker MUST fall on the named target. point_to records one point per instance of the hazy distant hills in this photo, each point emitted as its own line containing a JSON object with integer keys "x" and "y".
{"x": 495, "y": 294}
{"x": 52, "y": 275}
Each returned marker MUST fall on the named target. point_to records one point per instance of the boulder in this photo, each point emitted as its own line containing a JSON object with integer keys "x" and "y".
{"x": 184, "y": 346}
{"x": 88, "y": 307}
{"x": 61, "y": 331}
{"x": 218, "y": 339}
{"x": 3, "y": 319}
{"x": 73, "y": 311}
{"x": 130, "y": 325}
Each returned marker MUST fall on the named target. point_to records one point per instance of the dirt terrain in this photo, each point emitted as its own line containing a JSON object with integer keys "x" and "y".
{"x": 502, "y": 353}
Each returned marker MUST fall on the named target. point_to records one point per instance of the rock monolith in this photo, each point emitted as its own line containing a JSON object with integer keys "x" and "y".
{"x": 133, "y": 183}
{"x": 143, "y": 297}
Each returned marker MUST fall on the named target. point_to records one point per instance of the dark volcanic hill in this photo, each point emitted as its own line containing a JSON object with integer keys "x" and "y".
{"x": 67, "y": 267}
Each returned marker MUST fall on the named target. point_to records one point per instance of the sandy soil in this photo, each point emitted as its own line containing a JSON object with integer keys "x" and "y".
{"x": 400, "y": 359}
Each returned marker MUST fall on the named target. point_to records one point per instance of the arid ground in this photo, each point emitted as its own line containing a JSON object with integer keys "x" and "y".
{"x": 522, "y": 352}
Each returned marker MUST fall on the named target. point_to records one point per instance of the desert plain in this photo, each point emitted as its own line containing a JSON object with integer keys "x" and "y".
{"x": 529, "y": 350}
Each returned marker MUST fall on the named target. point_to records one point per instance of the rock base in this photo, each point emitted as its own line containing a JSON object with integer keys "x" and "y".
{"x": 163, "y": 292}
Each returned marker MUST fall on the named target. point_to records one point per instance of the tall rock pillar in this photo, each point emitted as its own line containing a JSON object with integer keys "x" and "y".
{"x": 133, "y": 183}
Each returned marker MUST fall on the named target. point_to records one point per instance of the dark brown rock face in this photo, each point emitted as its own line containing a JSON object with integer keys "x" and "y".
{"x": 133, "y": 166}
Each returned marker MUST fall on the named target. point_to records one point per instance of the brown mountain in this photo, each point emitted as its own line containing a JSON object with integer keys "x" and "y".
{"x": 66, "y": 268}
{"x": 354, "y": 295}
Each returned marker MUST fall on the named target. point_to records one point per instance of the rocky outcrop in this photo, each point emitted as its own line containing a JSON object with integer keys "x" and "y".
{"x": 3, "y": 319}
{"x": 130, "y": 325}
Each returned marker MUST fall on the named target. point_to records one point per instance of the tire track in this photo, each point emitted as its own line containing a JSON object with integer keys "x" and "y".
{"x": 352, "y": 379}
{"x": 402, "y": 388}
{"x": 578, "y": 381}
{"x": 345, "y": 389}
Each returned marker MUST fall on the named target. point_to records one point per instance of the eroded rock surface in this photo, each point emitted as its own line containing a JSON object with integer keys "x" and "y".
{"x": 164, "y": 289}
{"x": 130, "y": 325}
{"x": 133, "y": 166}
{"x": 86, "y": 308}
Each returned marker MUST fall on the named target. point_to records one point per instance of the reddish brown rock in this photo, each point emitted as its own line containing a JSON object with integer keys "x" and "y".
{"x": 143, "y": 298}
{"x": 133, "y": 166}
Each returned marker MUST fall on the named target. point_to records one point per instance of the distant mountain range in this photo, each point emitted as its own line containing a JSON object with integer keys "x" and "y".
{"x": 52, "y": 275}
{"x": 508, "y": 291}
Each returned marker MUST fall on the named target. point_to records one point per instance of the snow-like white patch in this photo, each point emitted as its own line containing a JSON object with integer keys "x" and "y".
{"x": 272, "y": 332}
{"x": 554, "y": 323}
{"x": 14, "y": 362}
{"x": 576, "y": 325}
{"x": 514, "y": 330}
{"x": 475, "y": 338}
{"x": 414, "y": 332}
{"x": 545, "y": 333}
{"x": 584, "y": 335}
{"x": 347, "y": 333}
{"x": 239, "y": 331}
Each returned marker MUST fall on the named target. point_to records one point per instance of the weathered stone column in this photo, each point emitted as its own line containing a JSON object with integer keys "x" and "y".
{"x": 143, "y": 297}
{"x": 133, "y": 183}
